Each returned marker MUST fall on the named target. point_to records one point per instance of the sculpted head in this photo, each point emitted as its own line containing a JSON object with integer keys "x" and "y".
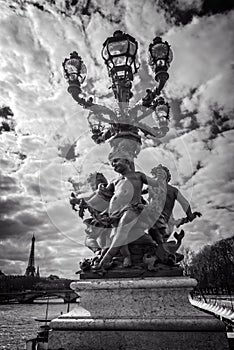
{"x": 121, "y": 165}
{"x": 154, "y": 172}
{"x": 168, "y": 173}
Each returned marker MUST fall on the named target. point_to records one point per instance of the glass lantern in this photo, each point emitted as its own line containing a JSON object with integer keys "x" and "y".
{"x": 162, "y": 109}
{"x": 161, "y": 114}
{"x": 161, "y": 55}
{"x": 119, "y": 53}
{"x": 74, "y": 69}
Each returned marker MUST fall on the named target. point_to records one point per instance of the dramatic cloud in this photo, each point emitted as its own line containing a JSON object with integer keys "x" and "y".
{"x": 51, "y": 145}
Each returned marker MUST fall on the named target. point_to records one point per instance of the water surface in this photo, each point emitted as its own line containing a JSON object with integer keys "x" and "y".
{"x": 17, "y": 321}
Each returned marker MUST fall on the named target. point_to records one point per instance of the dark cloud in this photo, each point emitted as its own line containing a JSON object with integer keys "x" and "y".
{"x": 14, "y": 253}
{"x": 8, "y": 184}
{"x": 34, "y": 189}
{"x": 29, "y": 219}
{"x": 11, "y": 206}
{"x": 18, "y": 217}
{"x": 10, "y": 228}
{"x": 218, "y": 6}
{"x": 182, "y": 13}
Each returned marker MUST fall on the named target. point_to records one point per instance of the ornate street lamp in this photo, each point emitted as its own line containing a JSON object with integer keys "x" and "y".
{"x": 119, "y": 54}
{"x": 160, "y": 57}
{"x": 124, "y": 125}
{"x": 74, "y": 70}
{"x": 96, "y": 128}
{"x": 161, "y": 116}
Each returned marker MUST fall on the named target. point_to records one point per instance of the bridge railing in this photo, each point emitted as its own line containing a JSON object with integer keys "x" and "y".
{"x": 213, "y": 307}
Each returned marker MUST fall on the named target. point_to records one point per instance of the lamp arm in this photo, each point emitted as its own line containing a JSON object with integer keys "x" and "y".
{"x": 100, "y": 109}
{"x": 147, "y": 104}
{"x": 152, "y": 132}
{"x": 88, "y": 104}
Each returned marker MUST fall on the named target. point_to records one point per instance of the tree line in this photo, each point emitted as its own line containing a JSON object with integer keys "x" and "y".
{"x": 212, "y": 267}
{"x": 15, "y": 283}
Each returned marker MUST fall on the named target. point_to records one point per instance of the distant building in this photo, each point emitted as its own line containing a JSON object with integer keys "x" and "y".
{"x": 30, "y": 270}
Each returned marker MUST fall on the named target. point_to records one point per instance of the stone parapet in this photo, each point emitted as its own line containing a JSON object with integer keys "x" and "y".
{"x": 132, "y": 314}
{"x": 145, "y": 297}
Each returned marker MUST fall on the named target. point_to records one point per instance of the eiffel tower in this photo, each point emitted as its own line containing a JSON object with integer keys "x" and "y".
{"x": 30, "y": 270}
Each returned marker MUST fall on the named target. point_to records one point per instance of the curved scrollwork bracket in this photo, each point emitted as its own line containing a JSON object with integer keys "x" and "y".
{"x": 74, "y": 90}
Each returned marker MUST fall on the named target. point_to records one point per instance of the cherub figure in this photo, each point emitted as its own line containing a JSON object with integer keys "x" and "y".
{"x": 97, "y": 235}
{"x": 126, "y": 205}
{"x": 161, "y": 231}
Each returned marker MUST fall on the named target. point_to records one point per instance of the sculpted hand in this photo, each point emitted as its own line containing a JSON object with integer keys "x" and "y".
{"x": 74, "y": 201}
{"x": 193, "y": 215}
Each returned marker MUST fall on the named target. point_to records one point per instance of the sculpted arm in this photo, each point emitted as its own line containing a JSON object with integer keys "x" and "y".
{"x": 110, "y": 187}
{"x": 185, "y": 205}
{"x": 154, "y": 181}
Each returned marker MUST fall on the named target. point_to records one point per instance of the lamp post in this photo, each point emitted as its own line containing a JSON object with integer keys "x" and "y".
{"x": 124, "y": 123}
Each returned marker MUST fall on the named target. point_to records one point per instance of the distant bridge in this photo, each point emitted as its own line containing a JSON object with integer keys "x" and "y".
{"x": 28, "y": 296}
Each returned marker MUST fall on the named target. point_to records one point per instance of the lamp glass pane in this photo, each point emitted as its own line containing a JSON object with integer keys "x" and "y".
{"x": 159, "y": 51}
{"x": 132, "y": 48}
{"x": 121, "y": 73}
{"x": 118, "y": 47}
{"x": 73, "y": 66}
{"x": 105, "y": 53}
{"x": 83, "y": 69}
{"x": 119, "y": 61}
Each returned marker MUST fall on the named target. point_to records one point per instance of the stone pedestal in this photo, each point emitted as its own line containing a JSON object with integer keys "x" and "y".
{"x": 144, "y": 313}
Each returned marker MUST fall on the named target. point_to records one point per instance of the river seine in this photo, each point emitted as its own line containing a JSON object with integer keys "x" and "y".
{"x": 17, "y": 321}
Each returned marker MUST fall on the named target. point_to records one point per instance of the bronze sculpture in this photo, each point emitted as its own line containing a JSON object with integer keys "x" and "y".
{"x": 120, "y": 217}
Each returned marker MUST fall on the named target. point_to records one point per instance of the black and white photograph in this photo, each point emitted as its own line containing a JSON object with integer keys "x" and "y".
{"x": 116, "y": 175}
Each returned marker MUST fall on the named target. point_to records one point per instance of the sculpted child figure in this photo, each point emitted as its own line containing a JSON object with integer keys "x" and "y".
{"x": 161, "y": 230}
{"x": 126, "y": 205}
{"x": 97, "y": 235}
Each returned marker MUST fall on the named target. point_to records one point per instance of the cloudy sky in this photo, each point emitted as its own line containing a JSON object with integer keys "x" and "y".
{"x": 51, "y": 144}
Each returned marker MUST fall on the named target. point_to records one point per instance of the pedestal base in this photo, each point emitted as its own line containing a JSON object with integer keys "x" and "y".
{"x": 141, "y": 314}
{"x": 138, "y": 340}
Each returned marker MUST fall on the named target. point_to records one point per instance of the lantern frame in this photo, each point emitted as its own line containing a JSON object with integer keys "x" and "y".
{"x": 160, "y": 63}
{"x": 161, "y": 102}
{"x": 119, "y": 53}
{"x": 77, "y": 77}
{"x": 129, "y": 58}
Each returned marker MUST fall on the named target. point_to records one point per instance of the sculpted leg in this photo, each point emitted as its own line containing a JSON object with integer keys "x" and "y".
{"x": 156, "y": 234}
{"x": 120, "y": 238}
{"x": 127, "y": 256}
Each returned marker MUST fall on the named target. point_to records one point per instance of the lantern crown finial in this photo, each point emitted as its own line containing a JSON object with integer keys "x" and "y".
{"x": 74, "y": 54}
{"x": 118, "y": 33}
{"x": 157, "y": 39}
